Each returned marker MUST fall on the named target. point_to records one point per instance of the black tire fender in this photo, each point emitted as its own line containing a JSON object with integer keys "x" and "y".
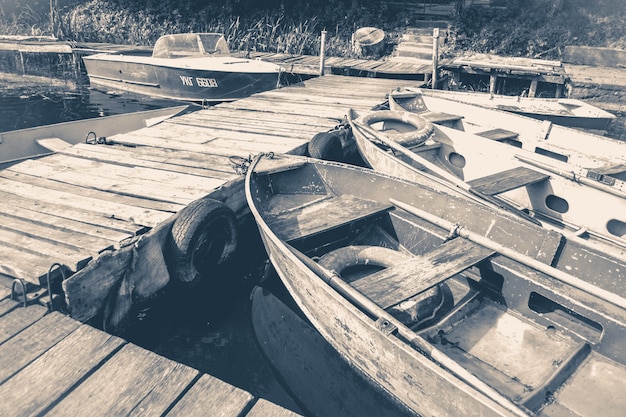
{"x": 326, "y": 146}
{"x": 422, "y": 127}
{"x": 203, "y": 235}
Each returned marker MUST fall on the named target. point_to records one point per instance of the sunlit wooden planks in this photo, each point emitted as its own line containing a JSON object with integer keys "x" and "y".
{"x": 54, "y": 365}
{"x": 224, "y": 399}
{"x": 26, "y": 346}
{"x": 210, "y": 166}
{"x": 134, "y": 381}
{"x": 135, "y": 181}
{"x": 139, "y": 215}
{"x": 56, "y": 371}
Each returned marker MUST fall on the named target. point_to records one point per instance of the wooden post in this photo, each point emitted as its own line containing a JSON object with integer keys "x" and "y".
{"x": 492, "y": 84}
{"x": 52, "y": 22}
{"x": 322, "y": 52}
{"x": 559, "y": 91}
{"x": 533, "y": 88}
{"x": 435, "y": 57}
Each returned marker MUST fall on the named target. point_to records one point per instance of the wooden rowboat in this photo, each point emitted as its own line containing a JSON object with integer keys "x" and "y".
{"x": 448, "y": 306}
{"x": 605, "y": 156}
{"x": 35, "y": 142}
{"x": 561, "y": 111}
{"x": 303, "y": 359}
{"x": 553, "y": 192}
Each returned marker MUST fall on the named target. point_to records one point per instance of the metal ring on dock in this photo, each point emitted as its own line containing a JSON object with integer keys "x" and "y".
{"x": 60, "y": 266}
{"x": 19, "y": 281}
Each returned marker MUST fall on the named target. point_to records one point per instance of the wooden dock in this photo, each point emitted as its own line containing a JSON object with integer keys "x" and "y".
{"x": 55, "y": 366}
{"x": 419, "y": 70}
{"x": 96, "y": 217}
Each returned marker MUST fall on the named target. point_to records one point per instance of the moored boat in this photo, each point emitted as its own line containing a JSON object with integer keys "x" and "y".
{"x": 451, "y": 307}
{"x": 561, "y": 111}
{"x": 552, "y": 191}
{"x": 605, "y": 155}
{"x": 194, "y": 67}
{"x": 36, "y": 142}
{"x": 303, "y": 359}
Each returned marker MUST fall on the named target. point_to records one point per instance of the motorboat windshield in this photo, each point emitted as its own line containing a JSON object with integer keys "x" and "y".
{"x": 190, "y": 44}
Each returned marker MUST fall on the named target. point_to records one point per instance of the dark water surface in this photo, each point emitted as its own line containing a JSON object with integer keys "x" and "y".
{"x": 207, "y": 327}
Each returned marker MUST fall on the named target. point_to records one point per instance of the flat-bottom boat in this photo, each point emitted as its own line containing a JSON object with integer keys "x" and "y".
{"x": 35, "y": 142}
{"x": 561, "y": 111}
{"x": 407, "y": 145}
{"x": 317, "y": 377}
{"x": 450, "y": 307}
{"x": 605, "y": 157}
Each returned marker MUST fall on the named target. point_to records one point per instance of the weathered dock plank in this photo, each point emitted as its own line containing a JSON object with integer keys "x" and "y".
{"x": 136, "y": 181}
{"x": 57, "y": 371}
{"x": 31, "y": 204}
{"x": 225, "y": 399}
{"x": 72, "y": 257}
{"x": 139, "y": 215}
{"x": 23, "y": 264}
{"x": 134, "y": 381}
{"x": 209, "y": 166}
{"x": 264, "y": 408}
{"x": 17, "y": 319}
{"x": 6, "y": 304}
{"x": 78, "y": 188}
{"x": 28, "y": 345}
{"x": 55, "y": 366}
{"x": 52, "y": 232}
{"x": 13, "y": 213}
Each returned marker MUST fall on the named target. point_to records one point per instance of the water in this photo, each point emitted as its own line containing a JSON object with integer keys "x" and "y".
{"x": 34, "y": 104}
{"x": 206, "y": 327}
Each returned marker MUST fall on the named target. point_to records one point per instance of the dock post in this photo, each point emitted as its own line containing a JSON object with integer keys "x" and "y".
{"x": 435, "y": 57}
{"x": 322, "y": 51}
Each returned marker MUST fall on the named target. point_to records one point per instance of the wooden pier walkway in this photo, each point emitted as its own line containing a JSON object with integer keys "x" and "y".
{"x": 53, "y": 365}
{"x": 101, "y": 212}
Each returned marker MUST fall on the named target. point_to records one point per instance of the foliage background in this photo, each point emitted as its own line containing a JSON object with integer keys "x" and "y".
{"x": 525, "y": 28}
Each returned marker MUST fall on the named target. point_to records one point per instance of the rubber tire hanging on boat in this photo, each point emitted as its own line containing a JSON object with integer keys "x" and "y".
{"x": 326, "y": 146}
{"x": 416, "y": 312}
{"x": 203, "y": 235}
{"x": 423, "y": 128}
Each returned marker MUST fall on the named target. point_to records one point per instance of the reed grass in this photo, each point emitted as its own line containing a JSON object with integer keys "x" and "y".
{"x": 529, "y": 28}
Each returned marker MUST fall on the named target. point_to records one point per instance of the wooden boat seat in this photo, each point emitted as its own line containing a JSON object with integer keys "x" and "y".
{"x": 499, "y": 135}
{"x": 400, "y": 282}
{"x": 614, "y": 169}
{"x": 54, "y": 144}
{"x": 441, "y": 118}
{"x": 507, "y": 180}
{"x": 323, "y": 214}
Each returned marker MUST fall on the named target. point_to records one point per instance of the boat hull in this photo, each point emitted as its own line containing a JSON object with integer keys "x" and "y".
{"x": 383, "y": 357}
{"x": 563, "y": 112}
{"x": 561, "y": 199}
{"x": 21, "y": 144}
{"x": 303, "y": 359}
{"x": 165, "y": 80}
{"x": 557, "y": 142}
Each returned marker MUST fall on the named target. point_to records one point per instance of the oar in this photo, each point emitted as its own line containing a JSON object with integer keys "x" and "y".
{"x": 517, "y": 256}
{"x": 571, "y": 175}
{"x": 454, "y": 180}
{"x": 407, "y": 334}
